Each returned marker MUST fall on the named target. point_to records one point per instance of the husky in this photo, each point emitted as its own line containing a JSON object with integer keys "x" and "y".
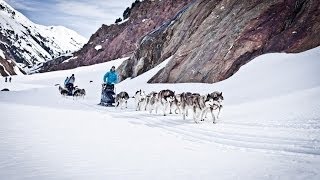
{"x": 63, "y": 91}
{"x": 165, "y": 98}
{"x": 207, "y": 103}
{"x": 218, "y": 97}
{"x": 139, "y": 98}
{"x": 176, "y": 103}
{"x": 79, "y": 93}
{"x": 186, "y": 103}
{"x": 121, "y": 98}
{"x": 151, "y": 101}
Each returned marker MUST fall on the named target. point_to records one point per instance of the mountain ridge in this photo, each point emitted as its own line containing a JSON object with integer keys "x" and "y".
{"x": 121, "y": 39}
{"x": 27, "y": 45}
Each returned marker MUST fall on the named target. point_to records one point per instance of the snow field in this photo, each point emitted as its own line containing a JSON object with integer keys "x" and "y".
{"x": 268, "y": 129}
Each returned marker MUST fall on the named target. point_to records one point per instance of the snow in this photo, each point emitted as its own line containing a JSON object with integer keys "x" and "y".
{"x": 124, "y": 21}
{"x": 2, "y": 54}
{"x": 98, "y": 47}
{"x": 17, "y": 70}
{"x": 269, "y": 127}
{"x": 67, "y": 60}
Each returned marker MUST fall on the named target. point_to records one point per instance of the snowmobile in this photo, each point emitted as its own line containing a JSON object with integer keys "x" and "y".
{"x": 107, "y": 95}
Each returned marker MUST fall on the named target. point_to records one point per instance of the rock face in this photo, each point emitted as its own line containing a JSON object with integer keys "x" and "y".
{"x": 121, "y": 39}
{"x": 212, "y": 39}
{"x": 26, "y": 44}
{"x": 8, "y": 67}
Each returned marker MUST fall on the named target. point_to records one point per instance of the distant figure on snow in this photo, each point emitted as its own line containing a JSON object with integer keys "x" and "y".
{"x": 70, "y": 83}
{"x": 66, "y": 81}
{"x": 5, "y": 79}
{"x": 10, "y": 79}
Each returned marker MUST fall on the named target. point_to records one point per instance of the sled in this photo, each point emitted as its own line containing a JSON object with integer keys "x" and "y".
{"x": 107, "y": 95}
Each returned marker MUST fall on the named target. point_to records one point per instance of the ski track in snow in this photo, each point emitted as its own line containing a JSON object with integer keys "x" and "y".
{"x": 224, "y": 135}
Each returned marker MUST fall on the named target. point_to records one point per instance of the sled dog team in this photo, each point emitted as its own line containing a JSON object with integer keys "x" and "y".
{"x": 71, "y": 90}
{"x": 75, "y": 92}
{"x": 167, "y": 100}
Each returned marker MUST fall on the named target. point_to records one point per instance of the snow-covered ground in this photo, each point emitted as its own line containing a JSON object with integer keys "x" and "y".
{"x": 269, "y": 127}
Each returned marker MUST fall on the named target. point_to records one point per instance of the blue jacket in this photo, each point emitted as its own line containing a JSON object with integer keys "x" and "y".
{"x": 66, "y": 81}
{"x": 110, "y": 77}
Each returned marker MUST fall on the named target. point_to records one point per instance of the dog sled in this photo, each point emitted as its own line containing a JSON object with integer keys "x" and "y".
{"x": 107, "y": 95}
{"x": 72, "y": 91}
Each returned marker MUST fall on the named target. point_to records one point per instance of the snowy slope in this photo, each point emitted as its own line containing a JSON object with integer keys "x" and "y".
{"x": 30, "y": 43}
{"x": 269, "y": 127}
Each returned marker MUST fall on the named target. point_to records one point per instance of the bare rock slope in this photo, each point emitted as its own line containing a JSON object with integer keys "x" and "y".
{"x": 122, "y": 39}
{"x": 212, "y": 39}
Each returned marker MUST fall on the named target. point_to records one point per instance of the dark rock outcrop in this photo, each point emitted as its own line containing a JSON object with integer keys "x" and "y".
{"x": 212, "y": 39}
{"x": 5, "y": 89}
{"x": 53, "y": 63}
{"x": 121, "y": 40}
{"x": 7, "y": 67}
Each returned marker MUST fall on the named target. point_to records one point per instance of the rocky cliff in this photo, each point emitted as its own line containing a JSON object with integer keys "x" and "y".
{"x": 122, "y": 39}
{"x": 212, "y": 39}
{"x": 25, "y": 45}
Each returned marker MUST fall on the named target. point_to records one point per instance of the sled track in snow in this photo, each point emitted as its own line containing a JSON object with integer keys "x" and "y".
{"x": 214, "y": 133}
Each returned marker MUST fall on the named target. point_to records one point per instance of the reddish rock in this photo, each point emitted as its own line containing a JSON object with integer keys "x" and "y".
{"x": 122, "y": 39}
{"x": 212, "y": 39}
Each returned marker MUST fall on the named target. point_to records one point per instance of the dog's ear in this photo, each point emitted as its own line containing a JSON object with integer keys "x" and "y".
{"x": 208, "y": 96}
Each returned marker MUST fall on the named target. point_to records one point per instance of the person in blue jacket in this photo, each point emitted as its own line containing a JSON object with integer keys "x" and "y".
{"x": 107, "y": 94}
{"x": 111, "y": 77}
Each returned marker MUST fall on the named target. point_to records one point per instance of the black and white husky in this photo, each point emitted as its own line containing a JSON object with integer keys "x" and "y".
{"x": 165, "y": 98}
{"x": 64, "y": 92}
{"x": 140, "y": 98}
{"x": 207, "y": 103}
{"x": 122, "y": 98}
{"x": 79, "y": 93}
